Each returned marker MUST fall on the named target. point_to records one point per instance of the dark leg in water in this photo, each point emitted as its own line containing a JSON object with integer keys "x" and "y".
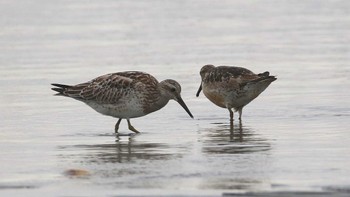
{"x": 231, "y": 119}
{"x": 117, "y": 125}
{"x": 240, "y": 113}
{"x": 131, "y": 127}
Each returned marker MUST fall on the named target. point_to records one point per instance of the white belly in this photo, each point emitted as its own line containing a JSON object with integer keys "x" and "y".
{"x": 123, "y": 110}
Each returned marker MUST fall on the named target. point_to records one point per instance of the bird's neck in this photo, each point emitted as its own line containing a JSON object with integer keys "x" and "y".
{"x": 159, "y": 103}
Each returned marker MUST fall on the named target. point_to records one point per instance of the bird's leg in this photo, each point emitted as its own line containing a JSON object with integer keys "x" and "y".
{"x": 240, "y": 113}
{"x": 240, "y": 131}
{"x": 117, "y": 125}
{"x": 131, "y": 127}
{"x": 231, "y": 118}
{"x": 231, "y": 114}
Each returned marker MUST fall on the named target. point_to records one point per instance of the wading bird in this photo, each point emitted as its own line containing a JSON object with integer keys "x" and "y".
{"x": 232, "y": 87}
{"x": 124, "y": 95}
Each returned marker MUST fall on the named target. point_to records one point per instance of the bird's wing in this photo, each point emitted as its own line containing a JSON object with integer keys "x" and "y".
{"x": 109, "y": 88}
{"x": 233, "y": 76}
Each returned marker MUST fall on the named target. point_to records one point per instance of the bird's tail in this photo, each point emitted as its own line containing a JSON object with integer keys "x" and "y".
{"x": 265, "y": 76}
{"x": 60, "y": 88}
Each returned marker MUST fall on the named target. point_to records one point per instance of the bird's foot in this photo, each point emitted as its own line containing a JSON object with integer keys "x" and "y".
{"x": 131, "y": 128}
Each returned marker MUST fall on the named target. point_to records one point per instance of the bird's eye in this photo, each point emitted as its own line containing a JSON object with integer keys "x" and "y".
{"x": 173, "y": 89}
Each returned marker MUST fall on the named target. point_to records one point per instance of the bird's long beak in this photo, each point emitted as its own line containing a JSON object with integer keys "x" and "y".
{"x": 182, "y": 103}
{"x": 199, "y": 90}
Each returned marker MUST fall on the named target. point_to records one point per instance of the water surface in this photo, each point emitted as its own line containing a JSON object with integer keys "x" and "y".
{"x": 293, "y": 138}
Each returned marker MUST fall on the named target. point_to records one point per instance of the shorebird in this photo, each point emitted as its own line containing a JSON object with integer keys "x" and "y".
{"x": 232, "y": 87}
{"x": 124, "y": 95}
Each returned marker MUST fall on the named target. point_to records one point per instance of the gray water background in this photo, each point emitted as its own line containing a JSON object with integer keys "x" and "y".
{"x": 295, "y": 135}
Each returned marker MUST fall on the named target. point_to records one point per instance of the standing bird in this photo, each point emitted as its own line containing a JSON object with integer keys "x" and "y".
{"x": 232, "y": 87}
{"x": 124, "y": 95}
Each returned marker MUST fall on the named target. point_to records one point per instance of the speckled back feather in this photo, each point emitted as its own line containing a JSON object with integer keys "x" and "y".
{"x": 110, "y": 88}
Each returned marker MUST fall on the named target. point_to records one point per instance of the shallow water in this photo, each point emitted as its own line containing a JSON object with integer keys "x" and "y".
{"x": 293, "y": 137}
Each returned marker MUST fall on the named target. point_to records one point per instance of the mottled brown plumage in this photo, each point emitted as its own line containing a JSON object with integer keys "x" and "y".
{"x": 232, "y": 87}
{"x": 124, "y": 95}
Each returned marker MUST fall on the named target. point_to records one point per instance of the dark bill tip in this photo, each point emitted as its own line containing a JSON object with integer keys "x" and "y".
{"x": 199, "y": 90}
{"x": 182, "y": 103}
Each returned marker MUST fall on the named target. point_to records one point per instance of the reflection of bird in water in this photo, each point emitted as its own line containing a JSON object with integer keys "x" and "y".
{"x": 125, "y": 95}
{"x": 240, "y": 140}
{"x": 236, "y": 133}
{"x": 232, "y": 87}
{"x": 124, "y": 150}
